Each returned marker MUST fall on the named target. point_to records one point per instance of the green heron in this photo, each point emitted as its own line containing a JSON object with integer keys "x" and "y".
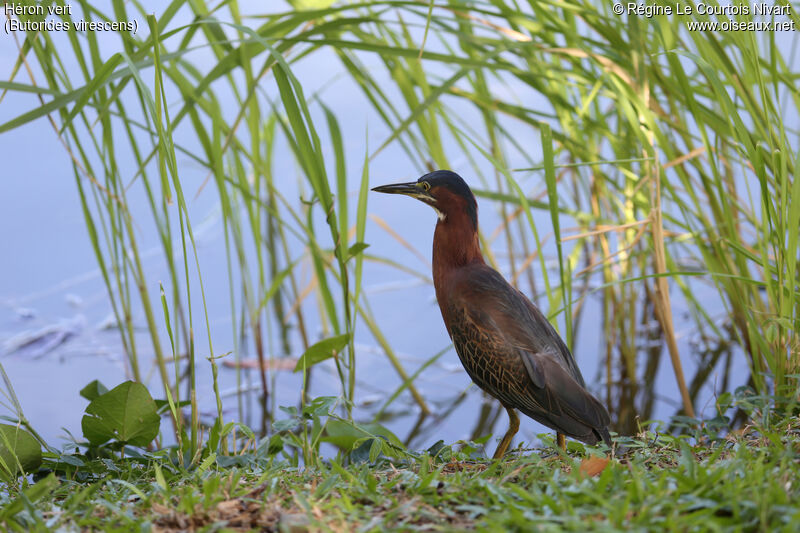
{"x": 504, "y": 342}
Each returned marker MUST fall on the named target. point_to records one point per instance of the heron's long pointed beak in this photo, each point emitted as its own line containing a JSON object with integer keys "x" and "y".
{"x": 412, "y": 188}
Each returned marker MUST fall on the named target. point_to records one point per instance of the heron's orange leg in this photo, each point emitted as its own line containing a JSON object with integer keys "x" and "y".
{"x": 512, "y": 430}
{"x": 562, "y": 441}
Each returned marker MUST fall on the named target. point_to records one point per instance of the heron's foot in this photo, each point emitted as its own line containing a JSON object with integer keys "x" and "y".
{"x": 512, "y": 430}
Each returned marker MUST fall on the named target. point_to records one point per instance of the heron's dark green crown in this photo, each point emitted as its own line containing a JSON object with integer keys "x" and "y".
{"x": 455, "y": 184}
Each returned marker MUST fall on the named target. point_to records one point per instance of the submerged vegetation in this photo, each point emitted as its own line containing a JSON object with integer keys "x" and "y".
{"x": 663, "y": 161}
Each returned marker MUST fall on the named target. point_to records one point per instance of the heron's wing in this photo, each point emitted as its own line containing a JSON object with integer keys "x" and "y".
{"x": 520, "y": 321}
{"x": 565, "y": 395}
{"x": 538, "y": 374}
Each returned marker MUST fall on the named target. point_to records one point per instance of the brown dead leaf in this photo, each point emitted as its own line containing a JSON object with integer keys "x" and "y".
{"x": 277, "y": 363}
{"x": 593, "y": 466}
{"x": 160, "y": 509}
{"x": 229, "y": 507}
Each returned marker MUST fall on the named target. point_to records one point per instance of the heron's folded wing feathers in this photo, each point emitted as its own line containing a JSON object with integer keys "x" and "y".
{"x": 556, "y": 389}
{"x": 563, "y": 392}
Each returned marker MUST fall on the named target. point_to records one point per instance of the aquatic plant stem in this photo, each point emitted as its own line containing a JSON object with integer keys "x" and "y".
{"x": 663, "y": 306}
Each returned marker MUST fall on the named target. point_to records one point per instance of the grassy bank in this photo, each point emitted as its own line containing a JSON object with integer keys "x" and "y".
{"x": 746, "y": 481}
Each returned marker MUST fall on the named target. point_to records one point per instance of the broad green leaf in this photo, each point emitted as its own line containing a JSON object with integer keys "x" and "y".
{"x": 126, "y": 413}
{"x": 345, "y": 435}
{"x": 375, "y": 449}
{"x": 93, "y": 390}
{"x": 275, "y": 444}
{"x": 19, "y": 450}
{"x": 288, "y": 424}
{"x": 324, "y": 349}
{"x": 72, "y": 460}
{"x": 320, "y": 406}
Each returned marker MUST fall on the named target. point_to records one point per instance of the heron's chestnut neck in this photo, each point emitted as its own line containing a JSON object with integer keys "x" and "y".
{"x": 455, "y": 242}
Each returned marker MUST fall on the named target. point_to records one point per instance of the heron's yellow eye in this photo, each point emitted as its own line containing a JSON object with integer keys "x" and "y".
{"x": 426, "y": 186}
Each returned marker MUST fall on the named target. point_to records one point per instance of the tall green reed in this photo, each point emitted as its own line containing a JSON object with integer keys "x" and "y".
{"x": 690, "y": 131}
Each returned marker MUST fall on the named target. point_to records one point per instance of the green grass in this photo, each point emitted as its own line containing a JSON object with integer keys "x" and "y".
{"x": 662, "y": 483}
